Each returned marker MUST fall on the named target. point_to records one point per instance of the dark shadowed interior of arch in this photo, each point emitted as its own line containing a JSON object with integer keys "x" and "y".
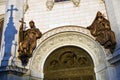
{"x": 69, "y": 63}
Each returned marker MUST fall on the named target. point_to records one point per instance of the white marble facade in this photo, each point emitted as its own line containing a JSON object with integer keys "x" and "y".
{"x": 64, "y": 17}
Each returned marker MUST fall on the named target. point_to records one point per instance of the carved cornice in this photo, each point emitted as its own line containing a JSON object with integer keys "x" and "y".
{"x": 14, "y": 68}
{"x": 115, "y": 59}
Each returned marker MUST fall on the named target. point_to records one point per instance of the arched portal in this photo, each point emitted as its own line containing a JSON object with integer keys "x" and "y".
{"x": 68, "y": 36}
{"x": 69, "y": 63}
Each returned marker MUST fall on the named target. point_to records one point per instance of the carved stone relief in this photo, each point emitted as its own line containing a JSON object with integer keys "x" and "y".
{"x": 72, "y": 36}
{"x": 69, "y": 62}
{"x": 76, "y": 2}
{"x": 50, "y": 3}
{"x": 68, "y": 58}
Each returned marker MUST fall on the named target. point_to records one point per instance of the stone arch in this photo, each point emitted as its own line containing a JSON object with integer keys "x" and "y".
{"x": 64, "y": 36}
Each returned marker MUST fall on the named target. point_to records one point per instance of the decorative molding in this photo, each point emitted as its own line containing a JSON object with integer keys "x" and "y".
{"x": 115, "y": 59}
{"x": 25, "y": 7}
{"x": 14, "y": 68}
{"x": 76, "y": 2}
{"x": 64, "y": 36}
{"x": 50, "y": 4}
{"x": 66, "y": 28}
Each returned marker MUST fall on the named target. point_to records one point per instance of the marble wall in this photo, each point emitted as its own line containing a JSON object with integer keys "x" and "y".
{"x": 63, "y": 13}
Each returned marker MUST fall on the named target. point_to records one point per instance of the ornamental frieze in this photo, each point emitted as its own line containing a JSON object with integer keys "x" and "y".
{"x": 63, "y": 38}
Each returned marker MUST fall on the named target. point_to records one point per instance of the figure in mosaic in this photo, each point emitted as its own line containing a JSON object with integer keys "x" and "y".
{"x": 27, "y": 41}
{"x": 101, "y": 30}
